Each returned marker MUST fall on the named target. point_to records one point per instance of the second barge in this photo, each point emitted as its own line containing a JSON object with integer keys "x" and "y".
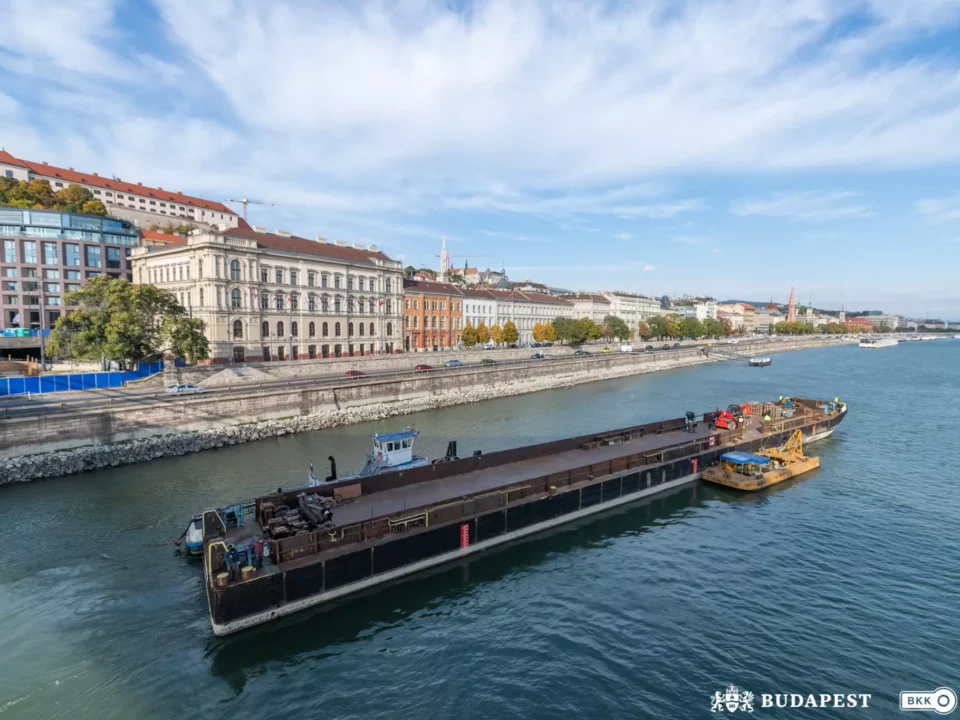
{"x": 327, "y": 542}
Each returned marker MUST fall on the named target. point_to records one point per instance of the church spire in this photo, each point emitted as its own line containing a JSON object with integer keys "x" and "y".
{"x": 792, "y": 306}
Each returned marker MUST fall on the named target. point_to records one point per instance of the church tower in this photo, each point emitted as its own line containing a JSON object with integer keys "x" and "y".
{"x": 444, "y": 261}
{"x": 792, "y": 306}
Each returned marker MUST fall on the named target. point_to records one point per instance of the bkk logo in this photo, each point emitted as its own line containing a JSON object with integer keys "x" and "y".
{"x": 734, "y": 699}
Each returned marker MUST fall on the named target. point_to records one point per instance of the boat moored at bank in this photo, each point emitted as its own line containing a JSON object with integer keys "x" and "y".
{"x": 299, "y": 549}
{"x": 876, "y": 343}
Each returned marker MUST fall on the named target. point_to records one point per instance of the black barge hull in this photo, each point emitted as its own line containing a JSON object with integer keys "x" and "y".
{"x": 484, "y": 507}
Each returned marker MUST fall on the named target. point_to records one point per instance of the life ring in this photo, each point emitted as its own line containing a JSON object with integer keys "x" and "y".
{"x": 379, "y": 456}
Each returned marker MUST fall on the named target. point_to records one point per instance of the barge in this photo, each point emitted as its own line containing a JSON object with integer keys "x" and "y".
{"x": 755, "y": 471}
{"x": 314, "y": 545}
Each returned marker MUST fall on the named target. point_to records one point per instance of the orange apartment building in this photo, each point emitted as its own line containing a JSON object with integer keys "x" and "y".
{"x": 432, "y": 316}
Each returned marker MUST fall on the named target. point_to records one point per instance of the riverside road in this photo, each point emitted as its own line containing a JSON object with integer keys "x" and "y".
{"x": 21, "y": 405}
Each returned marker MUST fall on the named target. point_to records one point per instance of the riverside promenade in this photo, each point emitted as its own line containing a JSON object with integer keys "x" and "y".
{"x": 78, "y": 439}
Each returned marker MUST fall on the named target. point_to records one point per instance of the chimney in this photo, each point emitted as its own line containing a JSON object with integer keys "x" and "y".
{"x": 70, "y": 168}
{"x": 372, "y": 248}
{"x": 340, "y": 243}
{"x": 260, "y": 228}
{"x": 140, "y": 184}
{"x": 360, "y": 246}
{"x": 96, "y": 174}
{"x": 283, "y": 233}
{"x": 321, "y": 239}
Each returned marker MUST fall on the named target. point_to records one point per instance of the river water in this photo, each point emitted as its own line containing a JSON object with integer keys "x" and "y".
{"x": 844, "y": 581}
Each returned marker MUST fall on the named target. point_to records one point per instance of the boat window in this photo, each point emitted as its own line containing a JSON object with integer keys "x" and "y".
{"x": 390, "y": 447}
{"x": 406, "y": 443}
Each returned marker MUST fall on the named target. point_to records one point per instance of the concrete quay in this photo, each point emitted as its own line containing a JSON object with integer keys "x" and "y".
{"x": 52, "y": 445}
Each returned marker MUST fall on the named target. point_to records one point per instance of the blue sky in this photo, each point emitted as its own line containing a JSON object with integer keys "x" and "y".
{"x": 728, "y": 147}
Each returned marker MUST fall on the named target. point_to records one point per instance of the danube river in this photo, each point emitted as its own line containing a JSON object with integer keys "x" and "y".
{"x": 845, "y": 581}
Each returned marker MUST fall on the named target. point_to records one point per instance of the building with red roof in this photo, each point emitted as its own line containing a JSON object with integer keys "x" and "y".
{"x": 142, "y": 204}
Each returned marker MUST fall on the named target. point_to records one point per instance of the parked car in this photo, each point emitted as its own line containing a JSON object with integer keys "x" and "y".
{"x": 606, "y": 350}
{"x": 490, "y": 345}
{"x": 676, "y": 345}
{"x": 580, "y": 353}
{"x": 649, "y": 348}
{"x": 538, "y": 356}
{"x": 184, "y": 388}
{"x": 548, "y": 344}
{"x": 626, "y": 347}
{"x": 354, "y": 373}
{"x": 536, "y": 344}
{"x": 732, "y": 341}
{"x": 512, "y": 346}
{"x": 488, "y": 361}
{"x": 452, "y": 363}
{"x": 423, "y": 368}
{"x": 666, "y": 346}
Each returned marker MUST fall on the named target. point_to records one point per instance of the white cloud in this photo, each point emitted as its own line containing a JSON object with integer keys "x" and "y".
{"x": 717, "y": 251}
{"x": 809, "y": 206}
{"x": 649, "y": 268}
{"x": 945, "y": 208}
{"x": 624, "y": 236}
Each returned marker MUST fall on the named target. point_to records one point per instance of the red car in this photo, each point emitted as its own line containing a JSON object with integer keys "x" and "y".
{"x": 354, "y": 373}
{"x": 423, "y": 368}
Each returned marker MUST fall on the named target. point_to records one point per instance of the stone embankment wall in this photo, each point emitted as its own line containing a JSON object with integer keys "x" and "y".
{"x": 59, "y": 444}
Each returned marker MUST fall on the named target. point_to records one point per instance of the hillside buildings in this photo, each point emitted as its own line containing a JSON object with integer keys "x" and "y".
{"x": 275, "y": 296}
{"x": 138, "y": 203}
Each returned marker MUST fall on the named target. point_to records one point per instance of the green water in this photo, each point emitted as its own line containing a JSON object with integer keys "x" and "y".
{"x": 844, "y": 581}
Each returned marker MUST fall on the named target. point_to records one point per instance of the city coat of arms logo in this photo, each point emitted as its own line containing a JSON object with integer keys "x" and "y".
{"x": 731, "y": 700}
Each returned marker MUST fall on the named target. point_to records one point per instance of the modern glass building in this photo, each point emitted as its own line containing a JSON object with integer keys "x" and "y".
{"x": 47, "y": 254}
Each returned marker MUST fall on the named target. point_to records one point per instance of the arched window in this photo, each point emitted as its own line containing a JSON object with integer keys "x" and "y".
{"x": 200, "y": 269}
{"x": 337, "y": 304}
{"x": 294, "y": 330}
{"x": 234, "y": 269}
{"x": 416, "y": 321}
{"x": 433, "y": 322}
{"x": 201, "y": 297}
{"x": 326, "y": 329}
{"x": 349, "y": 329}
{"x": 441, "y": 322}
{"x": 237, "y": 329}
{"x": 371, "y": 329}
{"x": 312, "y": 329}
{"x": 280, "y": 329}
{"x": 235, "y": 297}
{"x": 361, "y": 329}
{"x": 264, "y": 329}
{"x": 336, "y": 329}
{"x": 389, "y": 329}
{"x": 406, "y": 321}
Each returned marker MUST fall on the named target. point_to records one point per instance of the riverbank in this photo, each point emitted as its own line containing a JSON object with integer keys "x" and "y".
{"x": 124, "y": 437}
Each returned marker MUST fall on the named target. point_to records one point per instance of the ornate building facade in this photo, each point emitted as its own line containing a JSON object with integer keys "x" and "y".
{"x": 274, "y": 296}
{"x": 432, "y": 316}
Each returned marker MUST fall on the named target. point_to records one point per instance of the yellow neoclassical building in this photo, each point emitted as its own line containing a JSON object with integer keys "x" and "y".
{"x": 275, "y": 296}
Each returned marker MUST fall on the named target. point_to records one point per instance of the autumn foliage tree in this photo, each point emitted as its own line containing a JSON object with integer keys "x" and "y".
{"x": 510, "y": 333}
{"x": 469, "y": 335}
{"x": 496, "y": 334}
{"x": 37, "y": 194}
{"x": 483, "y": 333}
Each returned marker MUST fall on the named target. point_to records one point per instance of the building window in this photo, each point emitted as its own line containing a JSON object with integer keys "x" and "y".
{"x": 312, "y": 329}
{"x": 265, "y": 300}
{"x": 361, "y": 329}
{"x": 113, "y": 259}
{"x": 293, "y": 277}
{"x": 200, "y": 269}
{"x": 433, "y": 323}
{"x": 294, "y": 329}
{"x": 407, "y": 303}
{"x": 388, "y": 306}
{"x": 434, "y": 304}
{"x": 234, "y": 269}
{"x": 235, "y": 298}
{"x": 360, "y": 283}
{"x": 325, "y": 329}
{"x": 389, "y": 286}
{"x": 93, "y": 255}
{"x": 264, "y": 275}
{"x": 280, "y": 329}
{"x": 371, "y": 330}
{"x": 324, "y": 280}
{"x": 237, "y": 329}
{"x": 201, "y": 297}
{"x": 312, "y": 303}
{"x": 441, "y": 323}
{"x": 50, "y": 254}
{"x": 278, "y": 300}
{"x": 336, "y": 329}
{"x": 349, "y": 282}
{"x": 325, "y": 304}
{"x": 406, "y": 322}
{"x": 30, "y": 252}
{"x": 415, "y": 322}
{"x": 416, "y": 304}
{"x": 337, "y": 281}
{"x": 360, "y": 304}
{"x": 349, "y": 329}
{"x": 337, "y": 304}
{"x": 311, "y": 279}
{"x": 389, "y": 329}
{"x": 10, "y": 251}
{"x": 443, "y": 306}
{"x": 279, "y": 276}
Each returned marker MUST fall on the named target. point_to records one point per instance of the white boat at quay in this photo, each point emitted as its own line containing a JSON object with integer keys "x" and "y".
{"x": 875, "y": 343}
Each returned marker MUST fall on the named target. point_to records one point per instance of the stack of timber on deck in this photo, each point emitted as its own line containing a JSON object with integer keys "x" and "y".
{"x": 389, "y": 525}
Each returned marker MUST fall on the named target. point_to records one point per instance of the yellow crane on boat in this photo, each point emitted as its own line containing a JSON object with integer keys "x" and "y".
{"x": 755, "y": 471}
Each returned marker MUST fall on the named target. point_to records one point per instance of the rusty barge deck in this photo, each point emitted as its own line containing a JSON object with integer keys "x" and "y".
{"x": 391, "y": 525}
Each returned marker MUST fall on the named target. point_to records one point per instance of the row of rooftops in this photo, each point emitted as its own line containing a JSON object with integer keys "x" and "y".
{"x": 424, "y": 287}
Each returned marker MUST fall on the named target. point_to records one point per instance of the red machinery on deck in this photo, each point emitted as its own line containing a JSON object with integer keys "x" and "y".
{"x": 729, "y": 419}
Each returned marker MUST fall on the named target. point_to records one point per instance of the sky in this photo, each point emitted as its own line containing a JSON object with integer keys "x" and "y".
{"x": 724, "y": 147}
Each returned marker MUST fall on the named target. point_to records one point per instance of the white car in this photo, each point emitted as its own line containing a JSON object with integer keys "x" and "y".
{"x": 184, "y": 388}
{"x": 733, "y": 342}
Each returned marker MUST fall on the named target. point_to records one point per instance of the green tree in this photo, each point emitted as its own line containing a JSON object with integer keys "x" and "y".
{"x": 469, "y": 335}
{"x": 126, "y": 323}
{"x": 713, "y": 328}
{"x": 6, "y": 184}
{"x": 673, "y": 325}
{"x": 691, "y": 328}
{"x": 564, "y": 329}
{"x": 643, "y": 330}
{"x": 618, "y": 328}
{"x": 658, "y": 327}
{"x": 510, "y": 334}
{"x": 31, "y": 194}
{"x": 496, "y": 334}
{"x": 483, "y": 333}
{"x": 588, "y": 329}
{"x": 409, "y": 271}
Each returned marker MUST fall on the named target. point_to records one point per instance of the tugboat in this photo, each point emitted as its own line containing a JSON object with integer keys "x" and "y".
{"x": 755, "y": 471}
{"x": 760, "y": 361}
{"x": 391, "y": 452}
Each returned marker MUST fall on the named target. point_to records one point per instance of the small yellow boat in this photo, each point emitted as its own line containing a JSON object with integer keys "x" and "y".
{"x": 749, "y": 471}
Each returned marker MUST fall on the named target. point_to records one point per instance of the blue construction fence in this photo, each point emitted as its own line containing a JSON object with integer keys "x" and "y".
{"x": 75, "y": 381}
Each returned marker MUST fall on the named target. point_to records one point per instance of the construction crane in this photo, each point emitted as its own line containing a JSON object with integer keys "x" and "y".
{"x": 244, "y": 201}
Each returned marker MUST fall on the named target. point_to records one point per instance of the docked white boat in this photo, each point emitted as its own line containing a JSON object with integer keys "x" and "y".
{"x": 875, "y": 343}
{"x": 760, "y": 361}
